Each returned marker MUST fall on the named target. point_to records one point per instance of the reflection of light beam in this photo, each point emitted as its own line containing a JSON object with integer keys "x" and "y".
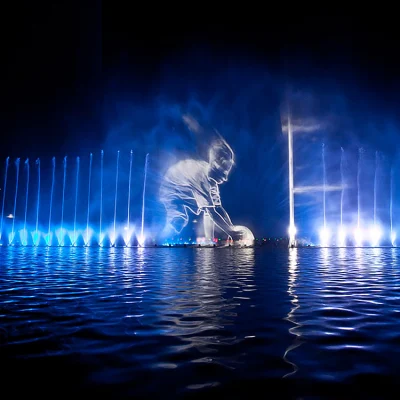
{"x": 291, "y": 315}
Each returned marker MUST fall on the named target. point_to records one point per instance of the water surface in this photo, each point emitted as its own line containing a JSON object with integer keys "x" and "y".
{"x": 171, "y": 322}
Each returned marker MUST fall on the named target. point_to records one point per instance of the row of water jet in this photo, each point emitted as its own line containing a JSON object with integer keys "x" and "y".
{"x": 62, "y": 233}
{"x": 359, "y": 235}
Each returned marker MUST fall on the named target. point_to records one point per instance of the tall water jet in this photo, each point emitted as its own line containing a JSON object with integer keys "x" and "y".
{"x": 142, "y": 238}
{"x": 53, "y": 162}
{"x": 101, "y": 195}
{"x": 358, "y": 233}
{"x": 360, "y": 151}
{"x": 129, "y": 189}
{"x": 343, "y": 184}
{"x": 375, "y": 185}
{"x": 76, "y": 196}
{"x": 324, "y": 183}
{"x": 342, "y": 232}
{"x": 88, "y": 203}
{"x": 115, "y": 200}
{"x": 375, "y": 231}
{"x": 36, "y": 238}
{"x": 324, "y": 233}
{"x": 25, "y": 233}
{"x": 4, "y": 196}
{"x": 392, "y": 232}
{"x": 15, "y": 199}
{"x": 292, "y": 227}
{"x": 62, "y": 236}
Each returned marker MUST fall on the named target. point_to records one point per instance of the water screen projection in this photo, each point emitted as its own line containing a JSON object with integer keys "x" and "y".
{"x": 226, "y": 172}
{"x": 192, "y": 186}
{"x": 92, "y": 204}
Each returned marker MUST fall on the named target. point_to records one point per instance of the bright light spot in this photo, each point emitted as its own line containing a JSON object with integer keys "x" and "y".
{"x": 393, "y": 237}
{"x": 324, "y": 235}
{"x": 125, "y": 228}
{"x": 342, "y": 236}
{"x": 358, "y": 236}
{"x": 375, "y": 235}
{"x": 10, "y": 216}
{"x": 141, "y": 239}
{"x": 292, "y": 231}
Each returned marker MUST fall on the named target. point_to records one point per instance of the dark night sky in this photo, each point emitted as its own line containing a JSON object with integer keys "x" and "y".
{"x": 59, "y": 59}
{"x": 65, "y": 66}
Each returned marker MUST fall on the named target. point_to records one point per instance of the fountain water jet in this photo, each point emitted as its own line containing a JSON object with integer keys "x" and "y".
{"x": 62, "y": 202}
{"x": 15, "y": 199}
{"x": 324, "y": 233}
{"x": 142, "y": 238}
{"x": 392, "y": 233}
{"x": 358, "y": 233}
{"x": 36, "y": 241}
{"x": 342, "y": 182}
{"x": 76, "y": 196}
{"x": 88, "y": 202}
{"x": 375, "y": 184}
{"x": 115, "y": 200}
{"x": 292, "y": 227}
{"x": 129, "y": 199}
{"x": 129, "y": 188}
{"x": 4, "y": 196}
{"x": 324, "y": 183}
{"x": 53, "y": 161}
{"x": 375, "y": 230}
{"x": 101, "y": 194}
{"x": 342, "y": 232}
{"x": 26, "y": 199}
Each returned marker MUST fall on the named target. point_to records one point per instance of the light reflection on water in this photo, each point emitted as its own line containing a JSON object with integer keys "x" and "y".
{"x": 155, "y": 321}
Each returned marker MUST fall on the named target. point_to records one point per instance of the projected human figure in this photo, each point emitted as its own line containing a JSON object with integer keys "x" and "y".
{"x": 192, "y": 185}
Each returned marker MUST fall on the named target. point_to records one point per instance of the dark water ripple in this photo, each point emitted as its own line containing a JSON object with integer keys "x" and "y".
{"x": 186, "y": 322}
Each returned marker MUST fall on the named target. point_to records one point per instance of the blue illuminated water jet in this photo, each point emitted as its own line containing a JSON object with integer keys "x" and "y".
{"x": 4, "y": 196}
{"x": 25, "y": 234}
{"x": 88, "y": 201}
{"x": 115, "y": 201}
{"x": 53, "y": 162}
{"x": 76, "y": 198}
{"x": 36, "y": 238}
{"x": 101, "y": 195}
{"x": 15, "y": 200}
{"x": 142, "y": 238}
{"x": 62, "y": 235}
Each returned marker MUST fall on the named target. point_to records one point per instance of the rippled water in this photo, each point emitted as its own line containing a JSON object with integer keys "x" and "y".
{"x": 180, "y": 322}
